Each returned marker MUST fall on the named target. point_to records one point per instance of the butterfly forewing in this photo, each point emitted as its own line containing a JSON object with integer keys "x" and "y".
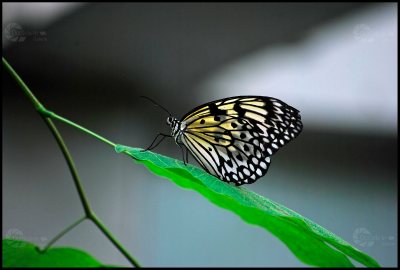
{"x": 233, "y": 138}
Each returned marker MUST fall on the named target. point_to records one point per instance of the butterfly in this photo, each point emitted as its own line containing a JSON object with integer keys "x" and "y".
{"x": 234, "y": 138}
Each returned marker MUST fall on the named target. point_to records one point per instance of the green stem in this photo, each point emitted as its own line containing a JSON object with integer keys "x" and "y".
{"x": 63, "y": 232}
{"x": 43, "y": 111}
{"x": 62, "y": 119}
{"x": 46, "y": 115}
{"x": 71, "y": 164}
{"x": 23, "y": 86}
{"x": 110, "y": 237}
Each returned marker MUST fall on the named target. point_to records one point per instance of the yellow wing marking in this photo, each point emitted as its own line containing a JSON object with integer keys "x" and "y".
{"x": 254, "y": 109}
{"x": 255, "y": 103}
{"x": 254, "y": 116}
{"x": 199, "y": 112}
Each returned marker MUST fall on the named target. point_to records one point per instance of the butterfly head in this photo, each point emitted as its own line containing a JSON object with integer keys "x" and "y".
{"x": 171, "y": 120}
{"x": 175, "y": 125}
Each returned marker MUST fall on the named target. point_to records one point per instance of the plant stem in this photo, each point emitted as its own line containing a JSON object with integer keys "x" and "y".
{"x": 62, "y": 119}
{"x": 71, "y": 164}
{"x": 110, "y": 237}
{"x": 43, "y": 111}
{"x": 23, "y": 86}
{"x": 63, "y": 232}
{"x": 46, "y": 115}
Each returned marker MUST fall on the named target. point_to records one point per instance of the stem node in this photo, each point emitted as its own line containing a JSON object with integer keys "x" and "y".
{"x": 44, "y": 112}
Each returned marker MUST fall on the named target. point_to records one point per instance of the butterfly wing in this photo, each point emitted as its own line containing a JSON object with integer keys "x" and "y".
{"x": 233, "y": 138}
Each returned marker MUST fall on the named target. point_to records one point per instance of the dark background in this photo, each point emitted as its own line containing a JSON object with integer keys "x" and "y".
{"x": 94, "y": 62}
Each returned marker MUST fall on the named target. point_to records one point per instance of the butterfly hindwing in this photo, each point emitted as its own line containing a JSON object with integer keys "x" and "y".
{"x": 233, "y": 138}
{"x": 228, "y": 153}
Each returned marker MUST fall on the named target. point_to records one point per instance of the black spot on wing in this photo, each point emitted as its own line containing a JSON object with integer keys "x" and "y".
{"x": 214, "y": 110}
{"x": 239, "y": 109}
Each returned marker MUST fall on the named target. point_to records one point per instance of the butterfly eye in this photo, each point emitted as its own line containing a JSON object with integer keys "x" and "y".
{"x": 169, "y": 120}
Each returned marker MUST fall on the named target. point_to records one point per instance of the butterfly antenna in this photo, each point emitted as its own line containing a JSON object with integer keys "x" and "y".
{"x": 156, "y": 104}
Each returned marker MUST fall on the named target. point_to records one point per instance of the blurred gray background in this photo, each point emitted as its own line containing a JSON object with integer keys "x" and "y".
{"x": 336, "y": 63}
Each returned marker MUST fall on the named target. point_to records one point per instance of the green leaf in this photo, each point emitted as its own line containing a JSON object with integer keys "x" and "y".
{"x": 17, "y": 253}
{"x": 309, "y": 242}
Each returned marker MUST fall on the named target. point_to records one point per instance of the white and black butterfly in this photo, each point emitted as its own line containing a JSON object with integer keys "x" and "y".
{"x": 234, "y": 138}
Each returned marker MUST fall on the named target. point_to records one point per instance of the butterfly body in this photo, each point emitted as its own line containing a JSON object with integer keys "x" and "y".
{"x": 177, "y": 127}
{"x": 234, "y": 138}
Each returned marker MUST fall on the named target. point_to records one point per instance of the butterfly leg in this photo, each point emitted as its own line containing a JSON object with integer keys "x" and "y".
{"x": 187, "y": 155}
{"x": 183, "y": 154}
{"x": 155, "y": 139}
